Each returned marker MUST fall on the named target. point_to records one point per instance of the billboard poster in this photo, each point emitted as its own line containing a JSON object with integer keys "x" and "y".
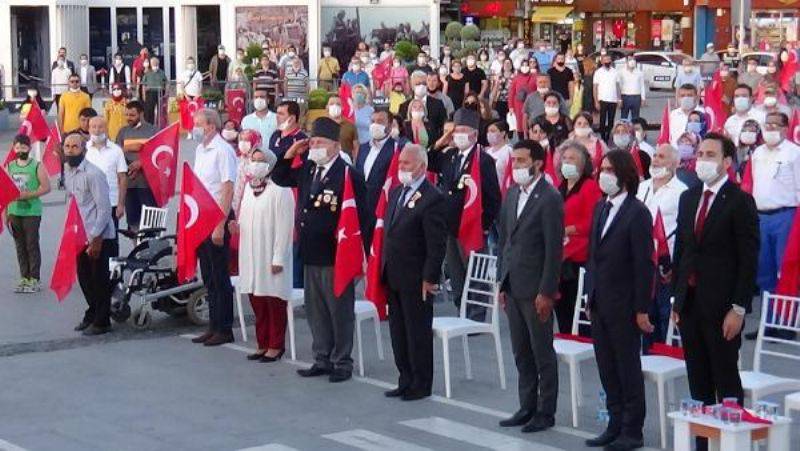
{"x": 281, "y": 26}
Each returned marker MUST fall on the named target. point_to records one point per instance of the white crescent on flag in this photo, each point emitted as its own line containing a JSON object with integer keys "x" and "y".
{"x": 472, "y": 190}
{"x": 194, "y": 210}
{"x": 239, "y": 99}
{"x": 26, "y": 124}
{"x": 157, "y": 152}
{"x": 712, "y": 116}
{"x": 193, "y": 107}
{"x": 349, "y": 203}
{"x": 796, "y": 134}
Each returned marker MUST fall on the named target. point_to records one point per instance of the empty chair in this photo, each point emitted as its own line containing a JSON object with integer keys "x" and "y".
{"x": 297, "y": 300}
{"x": 239, "y": 307}
{"x": 366, "y": 310}
{"x": 153, "y": 217}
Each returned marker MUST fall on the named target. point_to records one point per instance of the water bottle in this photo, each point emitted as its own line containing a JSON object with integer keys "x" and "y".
{"x": 602, "y": 411}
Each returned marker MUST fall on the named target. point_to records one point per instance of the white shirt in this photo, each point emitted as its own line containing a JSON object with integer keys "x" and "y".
{"x": 632, "y": 82}
{"x": 606, "y": 81}
{"x": 524, "y": 194}
{"x": 110, "y": 159}
{"x": 266, "y": 125}
{"x": 714, "y": 191}
{"x": 616, "y": 203}
{"x": 501, "y": 157}
{"x": 325, "y": 168}
{"x": 372, "y": 155}
{"x": 214, "y": 165}
{"x": 734, "y": 123}
{"x": 60, "y": 79}
{"x": 192, "y": 83}
{"x": 677, "y": 124}
{"x": 644, "y": 145}
{"x": 665, "y": 200}
{"x": 84, "y": 69}
{"x": 776, "y": 176}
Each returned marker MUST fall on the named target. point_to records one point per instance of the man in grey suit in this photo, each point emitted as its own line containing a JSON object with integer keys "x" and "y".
{"x": 531, "y": 233}
{"x": 88, "y": 76}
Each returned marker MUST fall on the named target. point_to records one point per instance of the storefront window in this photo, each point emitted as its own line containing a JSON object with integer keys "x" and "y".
{"x": 126, "y": 25}
{"x": 773, "y": 27}
{"x": 153, "y": 20}
{"x": 100, "y": 37}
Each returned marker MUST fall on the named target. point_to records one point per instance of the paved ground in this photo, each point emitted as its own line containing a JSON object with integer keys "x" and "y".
{"x": 156, "y": 390}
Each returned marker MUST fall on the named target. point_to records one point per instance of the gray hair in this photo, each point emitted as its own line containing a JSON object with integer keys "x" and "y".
{"x": 420, "y": 152}
{"x": 673, "y": 152}
{"x": 418, "y": 75}
{"x": 211, "y": 117}
{"x": 586, "y": 157}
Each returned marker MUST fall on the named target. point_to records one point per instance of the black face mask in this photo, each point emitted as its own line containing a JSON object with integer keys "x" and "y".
{"x": 23, "y": 155}
{"x": 74, "y": 160}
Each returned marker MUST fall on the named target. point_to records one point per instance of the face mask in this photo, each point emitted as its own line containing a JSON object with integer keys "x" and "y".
{"x": 335, "y": 110}
{"x": 417, "y": 115}
{"x": 116, "y": 93}
{"x": 356, "y": 67}
{"x": 545, "y": 143}
{"x": 551, "y": 111}
{"x": 23, "y": 155}
{"x": 707, "y": 171}
{"x": 283, "y": 126}
{"x": 772, "y": 137}
{"x": 687, "y": 103}
{"x": 326, "y": 53}
{"x": 622, "y": 140}
{"x": 521, "y": 45}
{"x": 377, "y": 131}
{"x": 442, "y": 71}
{"x": 198, "y": 133}
{"x": 772, "y": 70}
{"x": 118, "y": 62}
{"x": 542, "y": 91}
{"x": 405, "y": 177}
{"x": 688, "y": 69}
{"x": 145, "y": 64}
{"x": 741, "y": 103}
{"x": 608, "y": 183}
{"x": 421, "y": 61}
{"x": 446, "y": 51}
{"x": 751, "y": 68}
{"x": 318, "y": 155}
{"x": 84, "y": 62}
{"x": 686, "y": 151}
{"x": 501, "y": 58}
{"x": 290, "y": 53}
{"x": 525, "y": 69}
{"x": 364, "y": 59}
{"x": 32, "y": 93}
{"x": 770, "y": 101}
{"x": 632, "y": 64}
{"x": 395, "y": 133}
{"x": 583, "y": 132}
{"x": 190, "y": 66}
{"x": 230, "y": 135}
{"x": 461, "y": 140}
{"x": 239, "y": 58}
{"x": 694, "y": 127}
{"x": 257, "y": 169}
{"x": 747, "y": 138}
{"x": 569, "y": 171}
{"x": 244, "y": 147}
{"x": 522, "y": 176}
{"x": 470, "y": 62}
{"x": 494, "y": 138}
{"x": 658, "y": 173}
{"x": 484, "y": 57}
{"x": 360, "y": 98}
{"x": 74, "y": 90}
{"x": 60, "y": 63}
{"x": 260, "y": 104}
{"x": 74, "y": 160}
{"x": 221, "y": 53}
{"x": 420, "y": 91}
{"x": 98, "y": 139}
{"x": 639, "y": 135}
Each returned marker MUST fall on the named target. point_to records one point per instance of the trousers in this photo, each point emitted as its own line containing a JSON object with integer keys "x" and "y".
{"x": 95, "y": 282}
{"x": 25, "y": 230}
{"x": 214, "y": 268}
{"x": 271, "y": 315}
{"x": 331, "y": 319}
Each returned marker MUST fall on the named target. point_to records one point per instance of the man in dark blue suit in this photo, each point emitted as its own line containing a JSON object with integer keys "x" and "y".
{"x": 373, "y": 161}
{"x": 620, "y": 288}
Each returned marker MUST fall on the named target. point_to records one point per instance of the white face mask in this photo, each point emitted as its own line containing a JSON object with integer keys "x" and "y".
{"x": 326, "y": 53}
{"x": 707, "y": 171}
{"x": 741, "y": 103}
{"x": 84, "y": 62}
{"x": 356, "y": 67}
{"x": 377, "y": 131}
{"x": 551, "y": 111}
{"x": 244, "y": 147}
{"x": 545, "y": 143}
{"x": 658, "y": 173}
{"x": 318, "y": 155}
{"x": 417, "y": 115}
{"x": 569, "y": 171}
{"x": 405, "y": 177}
{"x": 622, "y": 140}
{"x": 770, "y": 101}
{"x": 747, "y": 137}
{"x": 632, "y": 64}
{"x": 525, "y": 69}
{"x": 118, "y": 63}
{"x": 772, "y": 137}
{"x": 522, "y": 176}
{"x": 395, "y": 133}
{"x": 98, "y": 139}
{"x": 116, "y": 93}
{"x": 335, "y": 111}
{"x": 230, "y": 135}
{"x": 461, "y": 140}
{"x": 687, "y": 103}
{"x": 420, "y": 91}
{"x": 283, "y": 126}
{"x": 260, "y": 104}
{"x": 494, "y": 138}
{"x": 74, "y": 89}
{"x": 257, "y": 169}
{"x": 32, "y": 93}
{"x": 608, "y": 183}
{"x": 639, "y": 135}
{"x": 190, "y": 67}
{"x": 583, "y": 132}
{"x": 198, "y": 133}
{"x": 470, "y": 62}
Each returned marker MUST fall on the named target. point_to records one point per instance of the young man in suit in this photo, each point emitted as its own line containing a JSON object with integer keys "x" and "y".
{"x": 413, "y": 251}
{"x": 320, "y": 187}
{"x": 620, "y": 286}
{"x": 373, "y": 161}
{"x": 531, "y": 235}
{"x": 453, "y": 165}
{"x": 716, "y": 250}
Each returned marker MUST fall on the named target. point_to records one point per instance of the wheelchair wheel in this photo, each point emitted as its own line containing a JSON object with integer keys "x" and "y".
{"x": 120, "y": 309}
{"x": 197, "y": 307}
{"x": 141, "y": 319}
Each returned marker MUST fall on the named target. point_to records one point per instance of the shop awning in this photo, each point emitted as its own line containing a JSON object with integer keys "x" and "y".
{"x": 550, "y": 14}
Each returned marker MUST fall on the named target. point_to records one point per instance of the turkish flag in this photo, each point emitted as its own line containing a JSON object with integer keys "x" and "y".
{"x": 235, "y": 104}
{"x": 187, "y": 109}
{"x": 508, "y": 178}
{"x": 597, "y": 158}
{"x": 349, "y": 262}
{"x": 470, "y": 231}
{"x": 345, "y": 95}
{"x": 374, "y": 289}
{"x": 794, "y": 127}
{"x": 198, "y": 215}
{"x": 549, "y": 167}
{"x": 714, "y": 109}
{"x": 51, "y": 157}
{"x": 788, "y": 71}
{"x": 789, "y": 277}
{"x": 381, "y": 71}
{"x": 35, "y": 126}
{"x": 8, "y": 192}
{"x": 661, "y": 246}
{"x": 663, "y": 137}
{"x": 159, "y": 158}
{"x": 73, "y": 242}
{"x": 637, "y": 160}
{"x": 747, "y": 178}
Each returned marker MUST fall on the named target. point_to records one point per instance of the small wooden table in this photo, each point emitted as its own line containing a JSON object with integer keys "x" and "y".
{"x": 728, "y": 437}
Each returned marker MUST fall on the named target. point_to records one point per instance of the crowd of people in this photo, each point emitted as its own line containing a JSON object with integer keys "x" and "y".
{"x": 563, "y": 184}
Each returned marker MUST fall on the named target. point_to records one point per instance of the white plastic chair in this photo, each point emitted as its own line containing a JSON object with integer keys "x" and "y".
{"x": 298, "y": 299}
{"x": 791, "y": 402}
{"x": 481, "y": 271}
{"x": 663, "y": 371}
{"x": 239, "y": 307}
{"x": 366, "y": 310}
{"x": 756, "y": 383}
{"x": 574, "y": 352}
{"x": 152, "y": 218}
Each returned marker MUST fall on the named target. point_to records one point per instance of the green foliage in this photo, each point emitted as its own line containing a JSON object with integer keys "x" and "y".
{"x": 406, "y": 51}
{"x": 470, "y": 32}
{"x": 453, "y": 31}
{"x": 252, "y": 53}
{"x": 212, "y": 95}
{"x": 468, "y": 47}
{"x": 2, "y": 104}
{"x": 318, "y": 99}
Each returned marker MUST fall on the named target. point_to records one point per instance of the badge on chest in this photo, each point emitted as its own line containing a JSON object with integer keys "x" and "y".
{"x": 413, "y": 201}
{"x": 326, "y": 199}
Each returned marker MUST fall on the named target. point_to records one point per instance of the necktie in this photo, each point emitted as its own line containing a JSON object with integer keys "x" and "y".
{"x": 701, "y": 216}
{"x": 401, "y": 202}
{"x": 457, "y": 168}
{"x": 603, "y": 218}
{"x": 317, "y": 181}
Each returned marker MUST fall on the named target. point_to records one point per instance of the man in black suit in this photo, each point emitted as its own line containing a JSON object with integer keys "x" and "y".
{"x": 620, "y": 287}
{"x": 453, "y": 166}
{"x": 434, "y": 108}
{"x": 373, "y": 161}
{"x": 716, "y": 252}
{"x": 413, "y": 250}
{"x": 531, "y": 234}
{"x": 320, "y": 187}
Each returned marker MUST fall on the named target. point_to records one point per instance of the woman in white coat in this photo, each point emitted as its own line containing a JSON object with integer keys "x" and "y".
{"x": 265, "y": 226}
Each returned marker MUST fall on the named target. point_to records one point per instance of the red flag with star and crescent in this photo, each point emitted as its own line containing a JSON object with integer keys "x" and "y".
{"x": 714, "y": 109}
{"x": 374, "y": 289}
{"x": 789, "y": 276}
{"x": 235, "y": 104}
{"x": 470, "y": 231}
{"x": 73, "y": 242}
{"x": 9, "y": 192}
{"x": 34, "y": 127}
{"x": 159, "y": 159}
{"x": 50, "y": 157}
{"x": 661, "y": 248}
{"x": 345, "y": 95}
{"x": 794, "y": 127}
{"x": 663, "y": 136}
{"x": 187, "y": 109}
{"x": 637, "y": 160}
{"x": 349, "y": 262}
{"x": 198, "y": 215}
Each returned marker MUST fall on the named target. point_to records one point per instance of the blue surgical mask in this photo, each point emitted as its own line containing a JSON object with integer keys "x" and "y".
{"x": 686, "y": 151}
{"x": 694, "y": 127}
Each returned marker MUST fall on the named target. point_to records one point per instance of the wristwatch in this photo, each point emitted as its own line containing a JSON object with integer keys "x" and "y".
{"x": 738, "y": 309}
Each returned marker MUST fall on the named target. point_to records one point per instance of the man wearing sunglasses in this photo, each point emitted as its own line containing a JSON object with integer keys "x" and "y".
{"x": 70, "y": 105}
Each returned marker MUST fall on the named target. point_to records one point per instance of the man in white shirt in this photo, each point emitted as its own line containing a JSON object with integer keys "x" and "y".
{"x": 262, "y": 119}
{"x": 631, "y": 82}
{"x": 688, "y": 75}
{"x": 661, "y": 194}
{"x": 59, "y": 78}
{"x": 215, "y": 165}
{"x": 679, "y": 117}
{"x": 770, "y": 104}
{"x": 606, "y": 95}
{"x": 743, "y": 107}
{"x": 110, "y": 159}
{"x": 191, "y": 80}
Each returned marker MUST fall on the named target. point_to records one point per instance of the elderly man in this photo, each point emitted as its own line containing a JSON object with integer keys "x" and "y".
{"x": 453, "y": 165}
{"x": 413, "y": 250}
{"x": 109, "y": 158}
{"x": 154, "y": 83}
{"x": 88, "y": 185}
{"x": 434, "y": 108}
{"x": 373, "y": 161}
{"x": 215, "y": 165}
{"x": 661, "y": 194}
{"x": 320, "y": 189}
{"x": 534, "y": 103}
{"x": 131, "y": 138}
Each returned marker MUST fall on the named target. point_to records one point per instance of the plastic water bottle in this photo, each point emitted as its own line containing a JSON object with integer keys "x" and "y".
{"x": 602, "y": 411}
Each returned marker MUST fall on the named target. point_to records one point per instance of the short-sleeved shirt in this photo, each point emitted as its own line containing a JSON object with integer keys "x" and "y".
{"x": 280, "y": 144}
{"x": 474, "y": 78}
{"x": 115, "y": 117}
{"x": 296, "y": 83}
{"x": 111, "y": 161}
{"x": 352, "y": 78}
{"x": 559, "y": 81}
{"x": 141, "y": 132}
{"x": 265, "y": 126}
{"x": 215, "y": 164}
{"x": 71, "y": 103}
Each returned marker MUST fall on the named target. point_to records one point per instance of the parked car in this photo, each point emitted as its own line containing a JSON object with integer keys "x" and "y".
{"x": 763, "y": 59}
{"x": 660, "y": 68}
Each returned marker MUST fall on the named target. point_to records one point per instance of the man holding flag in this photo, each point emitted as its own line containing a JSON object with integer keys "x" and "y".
{"x": 131, "y": 138}
{"x": 327, "y": 189}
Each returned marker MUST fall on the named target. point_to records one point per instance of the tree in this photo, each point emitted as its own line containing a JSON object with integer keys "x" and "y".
{"x": 453, "y": 31}
{"x": 470, "y": 32}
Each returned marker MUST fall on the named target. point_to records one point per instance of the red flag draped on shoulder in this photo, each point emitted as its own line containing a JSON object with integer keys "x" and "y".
{"x": 159, "y": 158}
{"x": 374, "y": 289}
{"x": 663, "y": 137}
{"x": 714, "y": 109}
{"x": 8, "y": 192}
{"x": 747, "y": 178}
{"x": 50, "y": 157}
{"x": 789, "y": 277}
{"x": 349, "y": 262}
{"x": 597, "y": 158}
{"x": 187, "y": 109}
{"x": 198, "y": 215}
{"x": 661, "y": 248}
{"x": 637, "y": 160}
{"x": 234, "y": 103}
{"x": 345, "y": 95}
{"x": 381, "y": 71}
{"x": 73, "y": 242}
{"x": 549, "y": 167}
{"x": 508, "y": 177}
{"x": 470, "y": 231}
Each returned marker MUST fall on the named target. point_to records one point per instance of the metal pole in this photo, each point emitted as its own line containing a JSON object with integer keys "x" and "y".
{"x": 741, "y": 28}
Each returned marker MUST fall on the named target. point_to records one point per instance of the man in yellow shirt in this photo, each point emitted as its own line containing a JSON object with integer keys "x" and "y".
{"x": 115, "y": 111}
{"x": 328, "y": 69}
{"x": 71, "y": 103}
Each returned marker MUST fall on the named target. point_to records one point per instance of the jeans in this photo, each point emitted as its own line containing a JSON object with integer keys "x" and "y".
{"x": 631, "y": 105}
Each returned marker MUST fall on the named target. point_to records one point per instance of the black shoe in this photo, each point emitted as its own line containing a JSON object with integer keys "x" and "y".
{"x": 82, "y": 326}
{"x": 518, "y": 419}
{"x": 625, "y": 443}
{"x": 255, "y": 356}
{"x": 539, "y": 423}
{"x": 267, "y": 359}
{"x": 603, "y": 439}
{"x": 314, "y": 371}
{"x": 219, "y": 339}
{"x": 96, "y": 330}
{"x": 751, "y": 335}
{"x": 396, "y": 393}
{"x": 203, "y": 338}
{"x": 338, "y": 375}
{"x": 413, "y": 395}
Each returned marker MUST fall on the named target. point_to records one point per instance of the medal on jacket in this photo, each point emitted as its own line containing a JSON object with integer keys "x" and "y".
{"x": 334, "y": 202}
{"x": 462, "y": 180}
{"x": 413, "y": 202}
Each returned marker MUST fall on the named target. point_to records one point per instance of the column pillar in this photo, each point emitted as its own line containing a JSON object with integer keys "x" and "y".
{"x": 180, "y": 36}
{"x": 139, "y": 25}
{"x": 7, "y": 71}
{"x": 114, "y": 43}
{"x": 166, "y": 42}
